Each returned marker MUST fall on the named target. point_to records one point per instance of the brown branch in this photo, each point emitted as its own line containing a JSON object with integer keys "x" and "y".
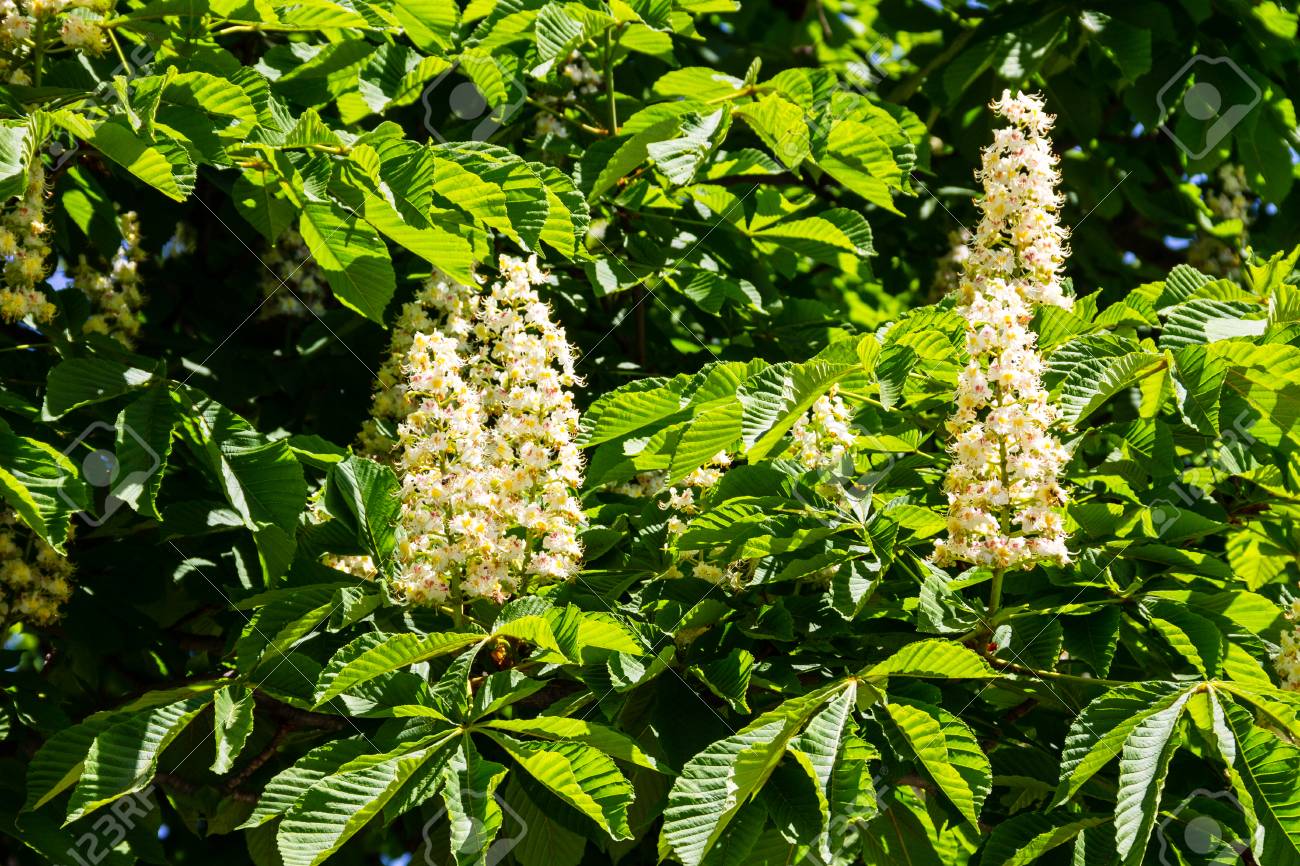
{"x": 296, "y": 717}
{"x": 259, "y": 760}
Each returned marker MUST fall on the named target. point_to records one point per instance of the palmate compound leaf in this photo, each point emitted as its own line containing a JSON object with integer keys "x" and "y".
{"x": 580, "y": 775}
{"x": 335, "y": 808}
{"x": 717, "y": 782}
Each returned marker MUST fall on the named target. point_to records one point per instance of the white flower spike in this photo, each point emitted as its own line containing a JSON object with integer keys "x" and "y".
{"x": 1004, "y": 498}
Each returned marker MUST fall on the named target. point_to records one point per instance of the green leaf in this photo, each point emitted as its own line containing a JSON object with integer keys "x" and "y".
{"x": 58, "y": 763}
{"x": 1192, "y": 636}
{"x": 232, "y": 722}
{"x": 608, "y": 740}
{"x": 725, "y": 775}
{"x": 820, "y": 747}
{"x": 367, "y": 496}
{"x": 41, "y": 485}
{"x": 144, "y": 443}
{"x": 257, "y": 196}
{"x": 15, "y": 155}
{"x": 827, "y": 237}
{"x": 781, "y": 125}
{"x": 430, "y": 24}
{"x": 1022, "y": 839}
{"x": 288, "y": 786}
{"x": 1101, "y": 730}
{"x": 585, "y": 778}
{"x": 259, "y": 477}
{"x": 124, "y": 757}
{"x": 1266, "y": 766}
{"x": 546, "y": 842}
{"x": 1205, "y": 320}
{"x": 728, "y": 677}
{"x": 82, "y": 381}
{"x": 773, "y": 399}
{"x": 474, "y": 817}
{"x": 945, "y": 747}
{"x": 165, "y": 166}
{"x": 336, "y": 808}
{"x": 375, "y": 654}
{"x": 1143, "y": 765}
{"x": 352, "y": 255}
{"x": 494, "y": 186}
{"x": 679, "y": 158}
{"x": 283, "y": 619}
{"x": 568, "y": 216}
{"x": 1097, "y": 368}
{"x": 933, "y": 659}
{"x": 630, "y": 408}
{"x": 1198, "y": 381}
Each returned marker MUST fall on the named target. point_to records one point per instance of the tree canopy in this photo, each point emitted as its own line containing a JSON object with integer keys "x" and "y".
{"x": 633, "y": 431}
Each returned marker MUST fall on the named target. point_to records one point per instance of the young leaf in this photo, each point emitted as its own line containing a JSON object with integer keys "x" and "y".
{"x": 232, "y": 722}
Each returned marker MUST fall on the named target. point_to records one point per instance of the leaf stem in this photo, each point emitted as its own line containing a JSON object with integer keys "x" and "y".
{"x": 1057, "y": 675}
{"x": 117, "y": 46}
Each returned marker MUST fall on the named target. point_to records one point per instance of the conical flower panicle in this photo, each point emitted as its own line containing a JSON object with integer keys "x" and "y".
{"x": 1003, "y": 494}
{"x": 479, "y": 392}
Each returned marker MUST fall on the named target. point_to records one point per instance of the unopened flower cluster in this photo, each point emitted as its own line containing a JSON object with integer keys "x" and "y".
{"x": 485, "y": 442}
{"x": 115, "y": 294}
{"x": 295, "y": 286}
{"x": 34, "y": 579}
{"x": 24, "y": 247}
{"x": 78, "y": 24}
{"x": 822, "y": 435}
{"x": 1003, "y": 494}
{"x": 1229, "y": 199}
{"x": 585, "y": 81}
{"x": 683, "y": 501}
